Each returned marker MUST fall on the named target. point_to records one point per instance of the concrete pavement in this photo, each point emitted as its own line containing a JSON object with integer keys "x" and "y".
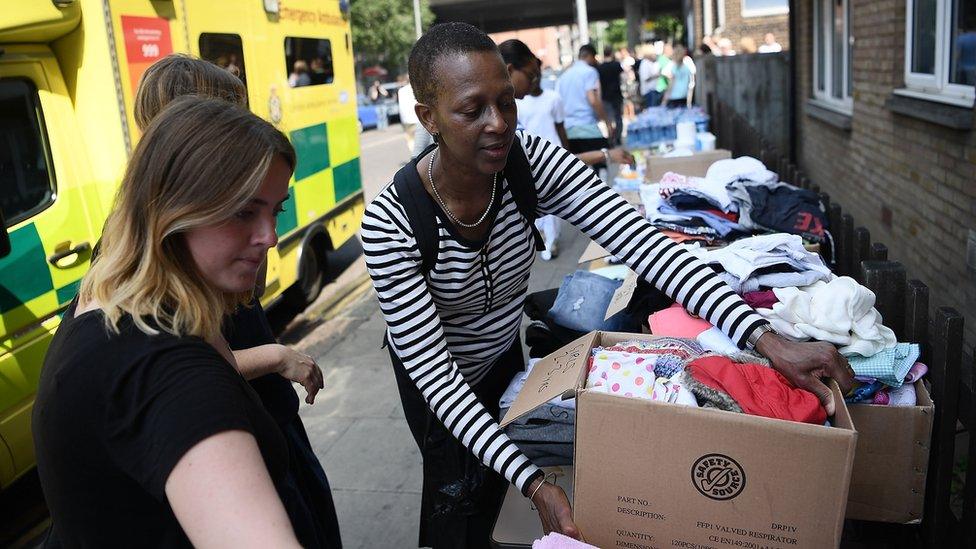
{"x": 356, "y": 425}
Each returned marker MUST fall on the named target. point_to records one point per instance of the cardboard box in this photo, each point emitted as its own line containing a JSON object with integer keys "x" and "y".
{"x": 694, "y": 165}
{"x": 888, "y": 482}
{"x": 517, "y": 524}
{"x": 651, "y": 474}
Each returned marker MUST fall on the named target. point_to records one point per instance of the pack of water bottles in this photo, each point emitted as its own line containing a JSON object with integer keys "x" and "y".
{"x": 656, "y": 126}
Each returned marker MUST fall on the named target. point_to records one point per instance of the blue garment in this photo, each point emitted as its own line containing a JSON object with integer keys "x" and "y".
{"x": 572, "y": 86}
{"x": 723, "y": 226}
{"x": 863, "y": 393}
{"x": 653, "y": 98}
{"x": 681, "y": 79}
{"x": 582, "y": 303}
{"x": 889, "y": 366}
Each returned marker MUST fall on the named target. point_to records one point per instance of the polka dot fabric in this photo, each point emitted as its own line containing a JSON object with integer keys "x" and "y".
{"x": 642, "y": 369}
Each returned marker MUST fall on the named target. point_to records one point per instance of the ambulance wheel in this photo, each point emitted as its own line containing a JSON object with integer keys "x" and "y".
{"x": 311, "y": 272}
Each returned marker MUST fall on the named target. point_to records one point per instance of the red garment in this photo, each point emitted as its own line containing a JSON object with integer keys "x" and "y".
{"x": 760, "y": 391}
{"x": 731, "y": 216}
{"x": 760, "y": 300}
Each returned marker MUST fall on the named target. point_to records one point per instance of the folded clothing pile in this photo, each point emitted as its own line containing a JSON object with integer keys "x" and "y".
{"x": 766, "y": 261}
{"x": 869, "y": 390}
{"x": 546, "y": 434}
{"x": 840, "y": 311}
{"x": 764, "y": 203}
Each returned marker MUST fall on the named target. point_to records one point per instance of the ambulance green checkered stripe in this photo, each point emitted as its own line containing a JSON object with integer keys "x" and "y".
{"x": 288, "y": 219}
{"x": 312, "y": 149}
{"x": 23, "y": 274}
{"x": 347, "y": 179}
{"x": 67, "y": 293}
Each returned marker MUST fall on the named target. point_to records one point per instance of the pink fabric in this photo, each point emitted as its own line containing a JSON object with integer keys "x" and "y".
{"x": 676, "y": 322}
{"x": 556, "y": 540}
{"x": 760, "y": 300}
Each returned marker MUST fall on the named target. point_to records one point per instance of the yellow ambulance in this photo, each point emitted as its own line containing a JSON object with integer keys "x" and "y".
{"x": 68, "y": 74}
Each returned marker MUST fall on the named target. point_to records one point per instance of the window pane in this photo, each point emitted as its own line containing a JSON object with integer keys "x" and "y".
{"x": 963, "y": 61}
{"x": 765, "y": 5}
{"x": 923, "y": 36}
{"x": 850, "y": 52}
{"x": 820, "y": 60}
{"x": 225, "y": 51}
{"x": 25, "y": 176}
{"x": 308, "y": 61}
{"x": 837, "y": 50}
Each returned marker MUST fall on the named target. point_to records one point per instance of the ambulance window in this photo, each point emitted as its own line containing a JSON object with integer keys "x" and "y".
{"x": 224, "y": 50}
{"x": 308, "y": 61}
{"x": 26, "y": 176}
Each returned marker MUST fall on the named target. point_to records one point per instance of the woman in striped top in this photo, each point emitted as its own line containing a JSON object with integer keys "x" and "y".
{"x": 453, "y": 331}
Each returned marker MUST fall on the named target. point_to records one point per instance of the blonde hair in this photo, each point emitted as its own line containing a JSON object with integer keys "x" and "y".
{"x": 177, "y": 75}
{"x": 200, "y": 161}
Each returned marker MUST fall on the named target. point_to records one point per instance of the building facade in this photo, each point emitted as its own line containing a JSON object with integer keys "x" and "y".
{"x": 884, "y": 118}
{"x": 740, "y": 20}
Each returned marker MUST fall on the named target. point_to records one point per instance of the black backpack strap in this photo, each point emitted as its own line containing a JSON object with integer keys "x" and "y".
{"x": 420, "y": 213}
{"x": 520, "y": 182}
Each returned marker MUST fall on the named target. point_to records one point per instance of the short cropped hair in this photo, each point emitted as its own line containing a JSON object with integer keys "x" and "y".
{"x": 516, "y": 53}
{"x": 587, "y": 49}
{"x": 446, "y": 39}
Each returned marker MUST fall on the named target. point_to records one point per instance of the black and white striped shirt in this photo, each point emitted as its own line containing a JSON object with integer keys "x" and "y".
{"x": 449, "y": 329}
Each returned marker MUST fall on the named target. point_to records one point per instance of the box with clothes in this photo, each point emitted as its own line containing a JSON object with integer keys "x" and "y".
{"x": 678, "y": 445}
{"x": 695, "y": 164}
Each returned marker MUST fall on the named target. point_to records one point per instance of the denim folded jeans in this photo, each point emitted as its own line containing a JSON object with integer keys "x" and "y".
{"x": 582, "y": 303}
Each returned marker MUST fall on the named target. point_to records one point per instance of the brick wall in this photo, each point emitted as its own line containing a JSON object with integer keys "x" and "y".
{"x": 923, "y": 173}
{"x": 736, "y": 26}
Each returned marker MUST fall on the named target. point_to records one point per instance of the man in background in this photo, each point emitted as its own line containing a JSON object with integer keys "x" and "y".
{"x": 613, "y": 99}
{"x": 579, "y": 87}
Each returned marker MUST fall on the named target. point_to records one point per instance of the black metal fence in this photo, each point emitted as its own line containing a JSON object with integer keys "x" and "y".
{"x": 950, "y": 497}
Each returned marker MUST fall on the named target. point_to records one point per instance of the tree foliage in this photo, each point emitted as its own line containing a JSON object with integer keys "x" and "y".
{"x": 383, "y": 30}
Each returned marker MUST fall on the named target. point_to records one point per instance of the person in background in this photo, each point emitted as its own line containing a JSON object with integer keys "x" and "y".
{"x": 725, "y": 47}
{"x": 319, "y": 75}
{"x": 540, "y": 112}
{"x": 408, "y": 118}
{"x": 377, "y": 91}
{"x": 770, "y": 45}
{"x": 680, "y": 73}
{"x": 579, "y": 87}
{"x": 747, "y": 45}
{"x": 650, "y": 75}
{"x": 631, "y": 86}
{"x": 611, "y": 72}
{"x": 299, "y": 75}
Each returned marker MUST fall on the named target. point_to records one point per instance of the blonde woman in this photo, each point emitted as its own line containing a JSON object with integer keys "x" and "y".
{"x": 145, "y": 432}
{"x": 268, "y": 366}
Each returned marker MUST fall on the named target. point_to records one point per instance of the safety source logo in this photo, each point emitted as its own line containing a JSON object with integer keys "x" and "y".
{"x": 718, "y": 477}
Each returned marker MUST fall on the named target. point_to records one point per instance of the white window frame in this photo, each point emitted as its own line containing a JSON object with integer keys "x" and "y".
{"x": 708, "y": 18}
{"x": 712, "y": 20}
{"x": 844, "y": 104}
{"x": 762, "y": 12}
{"x": 934, "y": 87}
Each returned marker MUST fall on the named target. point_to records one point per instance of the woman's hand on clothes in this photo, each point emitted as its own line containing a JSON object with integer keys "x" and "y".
{"x": 620, "y": 155}
{"x": 555, "y": 512}
{"x": 804, "y": 364}
{"x": 300, "y": 368}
